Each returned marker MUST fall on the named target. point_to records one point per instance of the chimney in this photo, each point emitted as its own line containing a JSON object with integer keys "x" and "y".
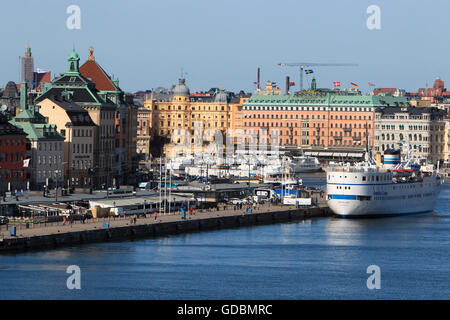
{"x": 287, "y": 85}
{"x": 23, "y": 95}
{"x": 259, "y": 78}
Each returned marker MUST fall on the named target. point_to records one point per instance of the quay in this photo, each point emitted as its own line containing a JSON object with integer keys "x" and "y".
{"x": 54, "y": 235}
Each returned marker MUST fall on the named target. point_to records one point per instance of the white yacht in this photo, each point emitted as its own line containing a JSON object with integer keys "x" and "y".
{"x": 305, "y": 164}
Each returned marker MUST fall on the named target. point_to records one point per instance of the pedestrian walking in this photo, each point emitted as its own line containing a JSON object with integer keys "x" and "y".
{"x": 156, "y": 215}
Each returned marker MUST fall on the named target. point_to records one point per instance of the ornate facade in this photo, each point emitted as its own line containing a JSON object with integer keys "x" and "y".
{"x": 175, "y": 114}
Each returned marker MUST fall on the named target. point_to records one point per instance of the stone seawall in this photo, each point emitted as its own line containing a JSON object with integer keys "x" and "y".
{"x": 131, "y": 232}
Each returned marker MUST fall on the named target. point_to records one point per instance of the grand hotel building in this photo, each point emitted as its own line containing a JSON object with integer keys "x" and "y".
{"x": 321, "y": 118}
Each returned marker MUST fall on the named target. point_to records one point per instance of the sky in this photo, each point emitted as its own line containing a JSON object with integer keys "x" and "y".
{"x": 146, "y": 44}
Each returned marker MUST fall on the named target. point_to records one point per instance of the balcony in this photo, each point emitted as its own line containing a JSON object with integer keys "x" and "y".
{"x": 337, "y": 137}
{"x": 356, "y": 138}
{"x": 347, "y": 129}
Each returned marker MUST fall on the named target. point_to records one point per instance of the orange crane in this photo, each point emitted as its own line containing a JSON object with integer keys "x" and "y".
{"x": 302, "y": 66}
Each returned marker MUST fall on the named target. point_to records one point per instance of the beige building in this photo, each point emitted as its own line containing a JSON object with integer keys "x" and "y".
{"x": 174, "y": 115}
{"x": 76, "y": 126}
{"x": 80, "y": 91}
{"x": 447, "y": 140}
{"x": 423, "y": 128}
{"x": 143, "y": 133}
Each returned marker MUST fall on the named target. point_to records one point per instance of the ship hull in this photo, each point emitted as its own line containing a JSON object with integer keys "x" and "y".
{"x": 380, "y": 208}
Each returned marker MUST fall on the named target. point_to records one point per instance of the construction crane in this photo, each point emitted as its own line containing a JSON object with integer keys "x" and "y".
{"x": 302, "y": 66}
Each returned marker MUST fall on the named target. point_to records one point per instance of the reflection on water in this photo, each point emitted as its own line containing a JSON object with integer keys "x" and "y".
{"x": 376, "y": 231}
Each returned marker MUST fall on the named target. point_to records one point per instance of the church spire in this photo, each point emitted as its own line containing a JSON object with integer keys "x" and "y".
{"x": 74, "y": 62}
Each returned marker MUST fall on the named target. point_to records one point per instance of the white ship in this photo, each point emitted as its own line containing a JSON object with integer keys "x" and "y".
{"x": 305, "y": 164}
{"x": 372, "y": 188}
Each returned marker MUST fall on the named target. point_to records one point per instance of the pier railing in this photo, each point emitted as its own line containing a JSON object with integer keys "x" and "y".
{"x": 22, "y": 223}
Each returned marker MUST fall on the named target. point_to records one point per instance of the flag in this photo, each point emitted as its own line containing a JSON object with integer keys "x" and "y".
{"x": 291, "y": 84}
{"x": 337, "y": 84}
{"x": 353, "y": 84}
{"x": 308, "y": 71}
{"x": 26, "y": 162}
{"x": 371, "y": 84}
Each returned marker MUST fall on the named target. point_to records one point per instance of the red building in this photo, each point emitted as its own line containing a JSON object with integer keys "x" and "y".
{"x": 436, "y": 93}
{"x": 14, "y": 147}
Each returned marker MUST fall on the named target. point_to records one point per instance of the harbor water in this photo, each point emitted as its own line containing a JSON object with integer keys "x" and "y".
{"x": 324, "y": 258}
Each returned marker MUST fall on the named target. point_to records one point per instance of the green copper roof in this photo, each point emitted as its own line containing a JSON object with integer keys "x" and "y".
{"x": 327, "y": 98}
{"x": 34, "y": 125}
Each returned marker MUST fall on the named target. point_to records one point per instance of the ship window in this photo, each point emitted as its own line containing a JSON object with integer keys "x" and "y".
{"x": 363, "y": 178}
{"x": 378, "y": 178}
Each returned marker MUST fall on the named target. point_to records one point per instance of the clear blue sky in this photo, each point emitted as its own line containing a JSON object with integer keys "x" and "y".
{"x": 221, "y": 43}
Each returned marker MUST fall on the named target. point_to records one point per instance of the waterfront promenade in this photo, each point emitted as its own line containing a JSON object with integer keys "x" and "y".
{"x": 38, "y": 236}
{"x": 39, "y": 229}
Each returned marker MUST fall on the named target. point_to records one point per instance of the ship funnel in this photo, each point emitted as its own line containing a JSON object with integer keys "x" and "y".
{"x": 391, "y": 158}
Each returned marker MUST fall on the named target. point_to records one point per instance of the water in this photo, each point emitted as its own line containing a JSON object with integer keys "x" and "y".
{"x": 318, "y": 259}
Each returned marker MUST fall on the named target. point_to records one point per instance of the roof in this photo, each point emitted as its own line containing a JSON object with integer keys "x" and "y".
{"x": 412, "y": 111}
{"x": 78, "y": 95}
{"x": 103, "y": 82}
{"x": 8, "y": 129}
{"x": 10, "y": 90}
{"x": 78, "y": 116}
{"x": 40, "y": 131}
{"x": 150, "y": 199}
{"x": 328, "y": 98}
{"x": 42, "y": 77}
{"x": 181, "y": 89}
{"x": 35, "y": 126}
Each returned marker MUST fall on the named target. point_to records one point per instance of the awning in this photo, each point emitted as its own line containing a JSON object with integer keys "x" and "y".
{"x": 355, "y": 155}
{"x": 339, "y": 154}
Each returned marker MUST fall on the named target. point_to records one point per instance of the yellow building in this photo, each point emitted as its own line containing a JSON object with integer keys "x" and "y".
{"x": 176, "y": 114}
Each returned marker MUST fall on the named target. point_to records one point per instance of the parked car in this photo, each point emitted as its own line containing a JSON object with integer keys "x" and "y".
{"x": 237, "y": 201}
{"x": 3, "y": 220}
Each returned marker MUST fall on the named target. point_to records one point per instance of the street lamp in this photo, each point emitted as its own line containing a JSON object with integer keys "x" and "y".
{"x": 145, "y": 204}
